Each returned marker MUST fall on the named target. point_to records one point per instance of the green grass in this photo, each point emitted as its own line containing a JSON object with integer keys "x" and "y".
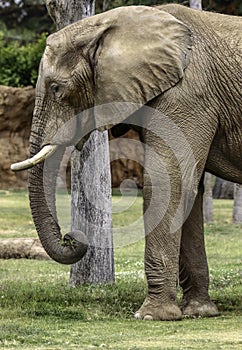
{"x": 15, "y": 217}
{"x": 38, "y": 310}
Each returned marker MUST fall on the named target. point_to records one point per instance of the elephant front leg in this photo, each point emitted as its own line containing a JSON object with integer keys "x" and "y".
{"x": 161, "y": 257}
{"x": 194, "y": 276}
{"x": 161, "y": 267}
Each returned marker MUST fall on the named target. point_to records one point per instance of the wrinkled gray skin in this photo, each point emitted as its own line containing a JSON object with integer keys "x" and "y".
{"x": 188, "y": 65}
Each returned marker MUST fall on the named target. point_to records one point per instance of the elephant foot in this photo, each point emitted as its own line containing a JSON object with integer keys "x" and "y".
{"x": 155, "y": 310}
{"x": 196, "y": 308}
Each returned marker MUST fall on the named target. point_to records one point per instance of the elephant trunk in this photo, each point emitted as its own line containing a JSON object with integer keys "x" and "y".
{"x": 42, "y": 184}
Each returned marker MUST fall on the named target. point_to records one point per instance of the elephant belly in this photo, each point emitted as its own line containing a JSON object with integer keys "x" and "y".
{"x": 224, "y": 162}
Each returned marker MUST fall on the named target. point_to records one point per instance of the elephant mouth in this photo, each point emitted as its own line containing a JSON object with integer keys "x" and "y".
{"x": 43, "y": 154}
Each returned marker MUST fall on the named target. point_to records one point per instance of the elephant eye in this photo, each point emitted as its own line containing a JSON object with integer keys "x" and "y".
{"x": 55, "y": 89}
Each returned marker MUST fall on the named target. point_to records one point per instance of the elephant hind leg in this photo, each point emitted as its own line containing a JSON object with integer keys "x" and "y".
{"x": 194, "y": 303}
{"x": 193, "y": 267}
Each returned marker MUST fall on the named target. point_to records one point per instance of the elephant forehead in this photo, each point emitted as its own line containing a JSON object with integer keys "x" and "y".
{"x": 49, "y": 58}
{"x": 48, "y": 69}
{"x": 55, "y": 65}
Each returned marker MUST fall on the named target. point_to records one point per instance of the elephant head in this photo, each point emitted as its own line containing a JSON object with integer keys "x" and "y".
{"x": 130, "y": 54}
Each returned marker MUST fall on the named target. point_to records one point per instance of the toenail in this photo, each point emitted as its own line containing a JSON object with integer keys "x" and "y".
{"x": 148, "y": 318}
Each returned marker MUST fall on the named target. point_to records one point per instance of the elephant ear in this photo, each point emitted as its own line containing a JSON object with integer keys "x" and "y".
{"x": 143, "y": 54}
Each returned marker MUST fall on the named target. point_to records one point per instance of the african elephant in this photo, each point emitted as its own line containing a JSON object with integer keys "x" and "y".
{"x": 185, "y": 65}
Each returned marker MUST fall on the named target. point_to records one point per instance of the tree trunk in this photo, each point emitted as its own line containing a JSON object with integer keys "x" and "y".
{"x": 223, "y": 189}
{"x": 64, "y": 12}
{"x": 92, "y": 211}
{"x": 237, "y": 210}
{"x": 91, "y": 180}
{"x": 207, "y": 199}
{"x": 196, "y": 4}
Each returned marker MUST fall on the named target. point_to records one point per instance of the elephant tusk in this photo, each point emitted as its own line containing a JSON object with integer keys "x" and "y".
{"x": 46, "y": 152}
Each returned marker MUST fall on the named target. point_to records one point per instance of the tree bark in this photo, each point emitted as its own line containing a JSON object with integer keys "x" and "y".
{"x": 196, "y": 4}
{"x": 90, "y": 178}
{"x": 92, "y": 211}
{"x": 237, "y": 209}
{"x": 223, "y": 189}
{"x": 64, "y": 12}
{"x": 207, "y": 199}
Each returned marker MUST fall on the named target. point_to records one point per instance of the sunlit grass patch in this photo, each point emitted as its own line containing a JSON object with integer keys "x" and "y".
{"x": 38, "y": 309}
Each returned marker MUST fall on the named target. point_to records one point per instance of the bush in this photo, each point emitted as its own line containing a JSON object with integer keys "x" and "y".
{"x": 18, "y": 63}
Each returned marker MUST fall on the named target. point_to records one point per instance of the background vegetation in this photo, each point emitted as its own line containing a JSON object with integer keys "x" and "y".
{"x": 19, "y": 63}
{"x": 38, "y": 309}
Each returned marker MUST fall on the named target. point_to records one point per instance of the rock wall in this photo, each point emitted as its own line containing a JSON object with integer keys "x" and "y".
{"x": 16, "y": 109}
{"x": 126, "y": 157}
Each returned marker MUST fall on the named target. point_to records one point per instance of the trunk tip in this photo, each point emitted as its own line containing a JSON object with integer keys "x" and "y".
{"x": 78, "y": 241}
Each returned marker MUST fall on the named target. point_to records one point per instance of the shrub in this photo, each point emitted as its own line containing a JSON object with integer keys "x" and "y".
{"x": 19, "y": 63}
